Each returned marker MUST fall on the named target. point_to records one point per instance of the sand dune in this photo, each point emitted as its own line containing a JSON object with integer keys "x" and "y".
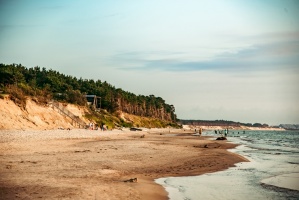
{"x": 35, "y": 117}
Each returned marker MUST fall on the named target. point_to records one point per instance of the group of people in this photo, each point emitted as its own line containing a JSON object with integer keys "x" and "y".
{"x": 225, "y": 132}
{"x": 93, "y": 126}
{"x": 221, "y": 132}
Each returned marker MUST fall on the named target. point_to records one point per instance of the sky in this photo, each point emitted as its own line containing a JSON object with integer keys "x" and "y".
{"x": 212, "y": 59}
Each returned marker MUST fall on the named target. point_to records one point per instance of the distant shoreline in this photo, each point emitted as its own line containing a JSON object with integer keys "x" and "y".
{"x": 238, "y": 125}
{"x": 190, "y": 127}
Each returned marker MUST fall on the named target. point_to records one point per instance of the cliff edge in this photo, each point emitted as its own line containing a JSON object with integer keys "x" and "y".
{"x": 35, "y": 116}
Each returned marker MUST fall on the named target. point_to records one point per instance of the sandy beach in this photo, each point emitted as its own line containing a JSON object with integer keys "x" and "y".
{"x": 88, "y": 164}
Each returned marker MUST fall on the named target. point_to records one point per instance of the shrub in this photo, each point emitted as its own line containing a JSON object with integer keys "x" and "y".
{"x": 17, "y": 95}
{"x": 43, "y": 96}
{"x": 27, "y": 89}
{"x": 75, "y": 97}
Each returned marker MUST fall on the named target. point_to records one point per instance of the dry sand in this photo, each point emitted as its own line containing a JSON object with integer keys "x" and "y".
{"x": 87, "y": 164}
{"x": 35, "y": 116}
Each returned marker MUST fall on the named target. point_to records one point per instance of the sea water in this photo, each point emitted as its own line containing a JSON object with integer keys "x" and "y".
{"x": 272, "y": 173}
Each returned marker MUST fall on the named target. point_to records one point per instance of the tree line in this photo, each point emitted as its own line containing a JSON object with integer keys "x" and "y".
{"x": 221, "y": 123}
{"x": 50, "y": 84}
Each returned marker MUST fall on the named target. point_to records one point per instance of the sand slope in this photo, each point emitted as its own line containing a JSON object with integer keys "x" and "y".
{"x": 34, "y": 117}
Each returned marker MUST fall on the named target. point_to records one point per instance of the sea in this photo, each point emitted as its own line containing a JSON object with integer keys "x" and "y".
{"x": 272, "y": 173}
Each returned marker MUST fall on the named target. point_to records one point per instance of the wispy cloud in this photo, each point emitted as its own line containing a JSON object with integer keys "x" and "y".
{"x": 260, "y": 57}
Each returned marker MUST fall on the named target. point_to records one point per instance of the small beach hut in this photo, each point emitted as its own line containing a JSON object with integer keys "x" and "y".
{"x": 93, "y": 101}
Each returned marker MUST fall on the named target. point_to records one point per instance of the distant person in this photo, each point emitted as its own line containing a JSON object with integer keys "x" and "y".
{"x": 215, "y": 131}
{"x": 221, "y": 133}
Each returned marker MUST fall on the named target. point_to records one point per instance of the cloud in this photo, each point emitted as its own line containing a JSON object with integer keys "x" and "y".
{"x": 259, "y": 57}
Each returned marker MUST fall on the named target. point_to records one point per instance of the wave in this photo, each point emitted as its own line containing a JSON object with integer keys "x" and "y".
{"x": 287, "y": 181}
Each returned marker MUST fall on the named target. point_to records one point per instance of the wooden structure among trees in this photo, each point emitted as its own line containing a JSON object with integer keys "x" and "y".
{"x": 93, "y": 101}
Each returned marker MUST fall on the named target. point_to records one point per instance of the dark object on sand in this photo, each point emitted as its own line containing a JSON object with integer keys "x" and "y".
{"x": 212, "y": 145}
{"x": 221, "y": 138}
{"x": 135, "y": 129}
{"x": 133, "y": 180}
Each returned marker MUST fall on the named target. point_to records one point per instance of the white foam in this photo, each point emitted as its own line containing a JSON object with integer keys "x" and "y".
{"x": 173, "y": 192}
{"x": 227, "y": 184}
{"x": 289, "y": 181}
{"x": 243, "y": 181}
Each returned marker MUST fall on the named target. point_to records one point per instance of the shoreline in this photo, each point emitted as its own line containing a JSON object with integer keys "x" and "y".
{"x": 258, "y": 179}
{"x": 94, "y": 165}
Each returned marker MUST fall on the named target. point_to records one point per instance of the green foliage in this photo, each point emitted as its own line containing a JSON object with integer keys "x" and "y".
{"x": 11, "y": 74}
{"x": 104, "y": 118}
{"x": 75, "y": 97}
{"x": 125, "y": 124}
{"x": 45, "y": 84}
{"x": 27, "y": 89}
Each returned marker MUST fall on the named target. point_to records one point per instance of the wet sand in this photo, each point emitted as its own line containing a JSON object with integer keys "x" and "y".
{"x": 85, "y": 164}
